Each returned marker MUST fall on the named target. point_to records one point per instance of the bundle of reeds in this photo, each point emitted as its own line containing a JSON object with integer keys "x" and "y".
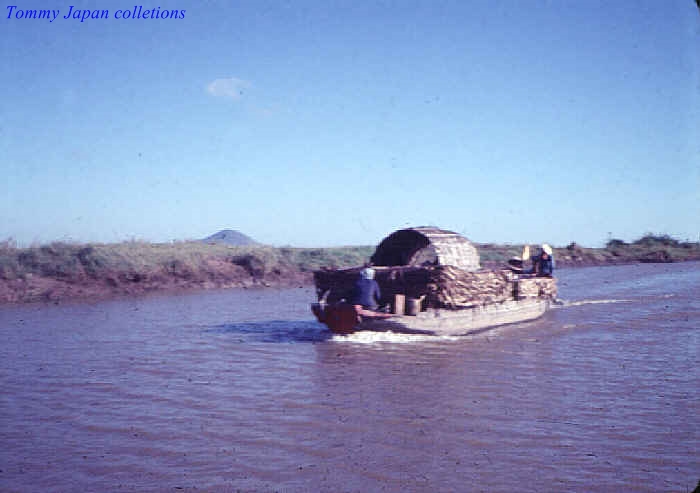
{"x": 537, "y": 287}
{"x": 455, "y": 288}
{"x": 442, "y": 286}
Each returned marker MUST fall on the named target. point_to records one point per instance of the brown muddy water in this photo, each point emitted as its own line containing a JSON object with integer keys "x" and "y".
{"x": 242, "y": 390}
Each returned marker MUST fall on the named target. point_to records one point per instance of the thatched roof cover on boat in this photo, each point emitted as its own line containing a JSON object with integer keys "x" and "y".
{"x": 426, "y": 246}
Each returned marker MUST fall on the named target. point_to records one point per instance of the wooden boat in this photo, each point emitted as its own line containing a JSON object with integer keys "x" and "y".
{"x": 342, "y": 318}
{"x": 431, "y": 283}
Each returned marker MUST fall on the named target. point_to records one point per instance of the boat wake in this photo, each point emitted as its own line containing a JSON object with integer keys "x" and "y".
{"x": 643, "y": 299}
{"x": 566, "y": 303}
{"x": 369, "y": 337}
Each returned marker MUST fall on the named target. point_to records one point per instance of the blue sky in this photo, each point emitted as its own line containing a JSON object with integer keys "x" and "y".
{"x": 335, "y": 123}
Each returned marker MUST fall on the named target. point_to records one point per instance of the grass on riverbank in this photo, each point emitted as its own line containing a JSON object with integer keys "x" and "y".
{"x": 68, "y": 260}
{"x": 67, "y": 270}
{"x": 649, "y": 248}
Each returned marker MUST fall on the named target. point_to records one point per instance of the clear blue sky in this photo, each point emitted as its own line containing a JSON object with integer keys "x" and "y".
{"x": 335, "y": 123}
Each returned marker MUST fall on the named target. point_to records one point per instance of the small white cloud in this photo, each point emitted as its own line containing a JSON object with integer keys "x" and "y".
{"x": 231, "y": 88}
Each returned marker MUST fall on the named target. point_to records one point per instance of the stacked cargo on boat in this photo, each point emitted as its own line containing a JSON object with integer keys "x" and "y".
{"x": 439, "y": 267}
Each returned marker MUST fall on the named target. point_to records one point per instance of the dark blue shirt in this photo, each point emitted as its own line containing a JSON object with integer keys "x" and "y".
{"x": 541, "y": 267}
{"x": 546, "y": 266}
{"x": 366, "y": 293}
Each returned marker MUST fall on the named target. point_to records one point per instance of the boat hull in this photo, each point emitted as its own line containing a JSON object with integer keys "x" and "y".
{"x": 342, "y": 318}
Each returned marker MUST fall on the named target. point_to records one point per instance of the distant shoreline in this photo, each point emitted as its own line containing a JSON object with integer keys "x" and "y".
{"x": 62, "y": 271}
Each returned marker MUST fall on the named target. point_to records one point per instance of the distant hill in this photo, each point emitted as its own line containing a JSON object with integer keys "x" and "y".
{"x": 230, "y": 237}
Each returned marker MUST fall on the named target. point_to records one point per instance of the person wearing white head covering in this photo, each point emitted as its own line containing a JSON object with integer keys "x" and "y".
{"x": 545, "y": 261}
{"x": 367, "y": 293}
{"x": 542, "y": 263}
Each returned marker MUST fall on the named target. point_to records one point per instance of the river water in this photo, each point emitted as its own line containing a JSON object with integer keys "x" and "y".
{"x": 241, "y": 390}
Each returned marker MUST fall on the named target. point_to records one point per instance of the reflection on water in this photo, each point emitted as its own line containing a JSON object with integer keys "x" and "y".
{"x": 243, "y": 390}
{"x": 274, "y": 331}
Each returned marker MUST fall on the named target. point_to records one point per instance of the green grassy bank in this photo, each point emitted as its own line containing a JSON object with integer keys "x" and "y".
{"x": 64, "y": 270}
{"x": 60, "y": 271}
{"x": 649, "y": 248}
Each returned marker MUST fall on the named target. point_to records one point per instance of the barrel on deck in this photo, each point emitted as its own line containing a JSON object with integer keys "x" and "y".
{"x": 413, "y": 306}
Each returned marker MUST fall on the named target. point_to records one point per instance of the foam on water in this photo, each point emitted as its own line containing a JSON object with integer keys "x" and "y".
{"x": 369, "y": 337}
{"x": 566, "y": 303}
{"x": 591, "y": 302}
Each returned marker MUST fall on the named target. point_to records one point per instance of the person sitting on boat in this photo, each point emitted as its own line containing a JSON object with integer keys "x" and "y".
{"x": 367, "y": 293}
{"x": 544, "y": 265}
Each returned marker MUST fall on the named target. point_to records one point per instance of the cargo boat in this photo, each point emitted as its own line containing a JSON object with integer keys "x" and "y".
{"x": 431, "y": 283}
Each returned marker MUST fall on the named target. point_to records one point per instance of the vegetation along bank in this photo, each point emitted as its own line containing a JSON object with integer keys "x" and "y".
{"x": 60, "y": 271}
